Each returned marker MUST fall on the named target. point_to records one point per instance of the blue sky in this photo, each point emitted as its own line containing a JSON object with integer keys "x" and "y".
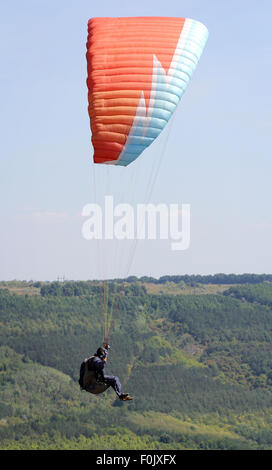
{"x": 217, "y": 158}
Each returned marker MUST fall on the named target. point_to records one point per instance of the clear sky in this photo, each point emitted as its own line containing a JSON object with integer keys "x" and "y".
{"x": 217, "y": 158}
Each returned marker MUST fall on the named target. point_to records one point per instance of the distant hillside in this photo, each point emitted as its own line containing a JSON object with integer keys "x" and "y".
{"x": 196, "y": 355}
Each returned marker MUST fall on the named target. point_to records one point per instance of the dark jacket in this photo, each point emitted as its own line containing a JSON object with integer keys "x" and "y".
{"x": 97, "y": 365}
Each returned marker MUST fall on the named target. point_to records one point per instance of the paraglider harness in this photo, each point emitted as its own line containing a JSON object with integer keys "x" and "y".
{"x": 83, "y": 368}
{"x": 89, "y": 378}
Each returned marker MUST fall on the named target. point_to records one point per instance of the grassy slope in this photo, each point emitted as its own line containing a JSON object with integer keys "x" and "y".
{"x": 39, "y": 398}
{"x": 41, "y": 407}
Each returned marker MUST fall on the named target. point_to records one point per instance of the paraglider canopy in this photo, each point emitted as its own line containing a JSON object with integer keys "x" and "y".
{"x": 138, "y": 69}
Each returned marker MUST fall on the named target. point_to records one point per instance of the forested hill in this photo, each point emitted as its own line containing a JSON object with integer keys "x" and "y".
{"x": 194, "y": 351}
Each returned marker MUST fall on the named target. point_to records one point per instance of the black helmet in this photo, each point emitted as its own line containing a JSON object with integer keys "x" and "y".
{"x": 100, "y": 352}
